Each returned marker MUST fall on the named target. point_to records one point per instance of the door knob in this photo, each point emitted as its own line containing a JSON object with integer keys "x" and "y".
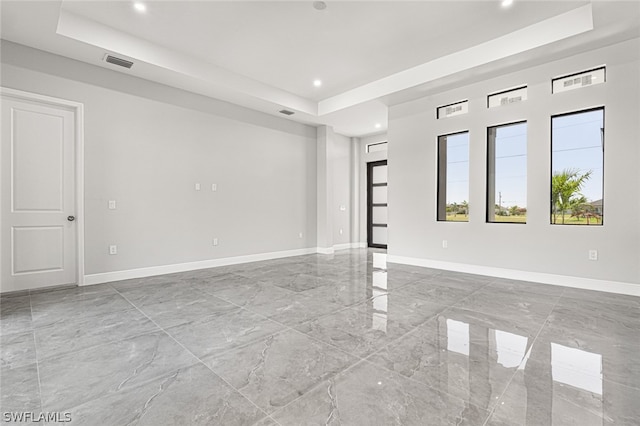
{"x": 71, "y": 218}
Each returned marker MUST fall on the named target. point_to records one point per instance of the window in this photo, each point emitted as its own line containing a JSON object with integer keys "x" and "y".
{"x": 507, "y": 97}
{"x": 507, "y": 173}
{"x": 376, "y": 146}
{"x": 577, "y": 168}
{"x": 453, "y": 177}
{"x": 578, "y": 80}
{"x": 452, "y": 110}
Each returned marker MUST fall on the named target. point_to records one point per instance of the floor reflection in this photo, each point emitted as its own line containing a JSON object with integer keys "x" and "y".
{"x": 380, "y": 299}
{"x": 409, "y": 345}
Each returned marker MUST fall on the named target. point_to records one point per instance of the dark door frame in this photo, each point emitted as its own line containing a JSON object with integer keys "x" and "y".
{"x": 371, "y": 205}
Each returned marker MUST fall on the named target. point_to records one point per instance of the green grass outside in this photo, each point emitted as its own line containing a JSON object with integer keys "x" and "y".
{"x": 511, "y": 219}
{"x": 568, "y": 220}
{"x": 457, "y": 218}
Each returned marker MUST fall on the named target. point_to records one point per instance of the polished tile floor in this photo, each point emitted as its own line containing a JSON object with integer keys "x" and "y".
{"x": 322, "y": 340}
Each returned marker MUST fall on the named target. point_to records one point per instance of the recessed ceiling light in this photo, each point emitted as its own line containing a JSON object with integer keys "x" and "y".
{"x": 378, "y": 125}
{"x": 507, "y": 3}
{"x": 140, "y": 7}
{"x": 317, "y": 83}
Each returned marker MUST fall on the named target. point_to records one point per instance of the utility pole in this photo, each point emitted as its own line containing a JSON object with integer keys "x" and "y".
{"x": 500, "y": 201}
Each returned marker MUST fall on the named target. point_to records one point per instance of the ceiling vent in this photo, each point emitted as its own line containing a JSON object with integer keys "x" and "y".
{"x": 286, "y": 112}
{"x": 118, "y": 61}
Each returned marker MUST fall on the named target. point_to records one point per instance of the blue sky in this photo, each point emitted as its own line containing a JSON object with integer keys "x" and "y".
{"x": 511, "y": 165}
{"x": 576, "y": 145}
{"x": 458, "y": 168}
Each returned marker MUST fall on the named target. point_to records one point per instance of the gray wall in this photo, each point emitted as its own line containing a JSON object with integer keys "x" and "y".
{"x": 146, "y": 145}
{"x": 536, "y": 246}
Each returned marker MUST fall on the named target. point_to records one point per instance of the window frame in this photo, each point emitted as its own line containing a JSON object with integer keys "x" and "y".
{"x": 603, "y": 136}
{"x": 438, "y": 176}
{"x": 442, "y": 107}
{"x": 502, "y": 92}
{"x": 487, "y": 204}
{"x": 573, "y": 74}
{"x": 367, "y": 146}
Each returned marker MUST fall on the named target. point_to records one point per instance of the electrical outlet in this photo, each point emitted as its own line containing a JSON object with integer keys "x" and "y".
{"x": 593, "y": 254}
{"x": 112, "y": 204}
{"x": 214, "y": 187}
{"x": 445, "y": 244}
{"x": 197, "y": 186}
{"x": 113, "y": 249}
{"x": 215, "y": 241}
{"x": 300, "y": 235}
{"x": 341, "y": 231}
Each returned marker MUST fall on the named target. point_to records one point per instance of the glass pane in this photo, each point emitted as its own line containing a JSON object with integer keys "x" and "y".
{"x": 577, "y": 160}
{"x": 578, "y": 81}
{"x": 379, "y": 174}
{"x": 507, "y": 173}
{"x": 379, "y": 235}
{"x": 379, "y": 195}
{"x": 375, "y": 147}
{"x": 453, "y": 177}
{"x": 379, "y": 215}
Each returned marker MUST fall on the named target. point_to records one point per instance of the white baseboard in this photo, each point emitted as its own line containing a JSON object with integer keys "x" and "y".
{"x": 347, "y": 246}
{"x": 325, "y": 250}
{"x": 191, "y": 266}
{"x": 538, "y": 277}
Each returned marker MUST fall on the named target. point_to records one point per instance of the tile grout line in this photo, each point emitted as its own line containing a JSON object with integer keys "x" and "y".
{"x": 506, "y": 388}
{"x": 365, "y": 360}
{"x": 318, "y": 385}
{"x": 132, "y": 308}
{"x": 286, "y": 328}
{"x": 198, "y": 359}
{"x": 289, "y": 328}
{"x": 359, "y": 358}
{"x": 35, "y": 350}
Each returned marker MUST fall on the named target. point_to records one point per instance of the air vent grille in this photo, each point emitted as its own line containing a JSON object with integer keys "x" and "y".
{"x": 286, "y": 112}
{"x": 118, "y": 61}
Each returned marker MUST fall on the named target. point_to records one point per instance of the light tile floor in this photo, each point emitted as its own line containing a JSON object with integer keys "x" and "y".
{"x": 317, "y": 340}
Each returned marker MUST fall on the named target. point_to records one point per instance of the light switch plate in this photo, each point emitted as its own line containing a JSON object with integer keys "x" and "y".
{"x": 112, "y": 204}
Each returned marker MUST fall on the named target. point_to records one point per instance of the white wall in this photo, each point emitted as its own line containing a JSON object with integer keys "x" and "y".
{"x": 536, "y": 247}
{"x": 342, "y": 189}
{"x": 146, "y": 145}
{"x": 335, "y": 190}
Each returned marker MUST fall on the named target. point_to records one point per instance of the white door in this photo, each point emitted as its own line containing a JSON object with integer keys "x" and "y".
{"x": 37, "y": 169}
